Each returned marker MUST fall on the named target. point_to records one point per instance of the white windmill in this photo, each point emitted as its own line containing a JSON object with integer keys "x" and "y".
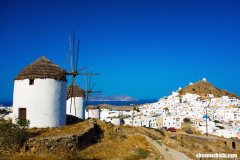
{"x": 40, "y": 93}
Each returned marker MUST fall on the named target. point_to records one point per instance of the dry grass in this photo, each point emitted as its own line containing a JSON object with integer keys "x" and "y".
{"x": 60, "y": 131}
{"x": 192, "y": 145}
{"x": 119, "y": 142}
{"x": 116, "y": 147}
{"x": 31, "y": 157}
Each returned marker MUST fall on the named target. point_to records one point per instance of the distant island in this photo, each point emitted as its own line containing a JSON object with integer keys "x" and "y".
{"x": 112, "y": 98}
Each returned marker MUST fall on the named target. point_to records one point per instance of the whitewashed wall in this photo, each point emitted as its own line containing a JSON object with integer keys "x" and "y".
{"x": 45, "y": 101}
{"x": 92, "y": 113}
{"x": 77, "y": 103}
{"x": 113, "y": 120}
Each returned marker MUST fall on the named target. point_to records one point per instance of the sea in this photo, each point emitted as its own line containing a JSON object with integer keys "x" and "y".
{"x": 124, "y": 103}
{"x": 115, "y": 103}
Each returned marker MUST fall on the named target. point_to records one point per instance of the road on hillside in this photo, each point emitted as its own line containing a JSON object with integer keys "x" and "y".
{"x": 167, "y": 153}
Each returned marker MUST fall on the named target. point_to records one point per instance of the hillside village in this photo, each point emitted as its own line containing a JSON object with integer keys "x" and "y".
{"x": 223, "y": 112}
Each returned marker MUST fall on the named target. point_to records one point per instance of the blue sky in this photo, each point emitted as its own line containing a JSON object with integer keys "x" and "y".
{"x": 144, "y": 49}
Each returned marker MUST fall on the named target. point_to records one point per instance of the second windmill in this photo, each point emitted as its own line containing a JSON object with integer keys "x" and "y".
{"x": 77, "y": 98}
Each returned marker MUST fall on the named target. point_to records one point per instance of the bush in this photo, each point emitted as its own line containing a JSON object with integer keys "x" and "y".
{"x": 216, "y": 121}
{"x": 3, "y": 111}
{"x": 136, "y": 109}
{"x": 22, "y": 123}
{"x": 142, "y": 153}
{"x": 160, "y": 131}
{"x": 165, "y": 109}
{"x": 186, "y": 120}
{"x": 221, "y": 127}
{"x": 12, "y": 136}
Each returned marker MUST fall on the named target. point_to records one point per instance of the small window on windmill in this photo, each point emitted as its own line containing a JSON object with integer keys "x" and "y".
{"x": 31, "y": 81}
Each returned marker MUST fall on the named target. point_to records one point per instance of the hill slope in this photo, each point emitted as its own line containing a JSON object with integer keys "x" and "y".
{"x": 202, "y": 88}
{"x": 102, "y": 140}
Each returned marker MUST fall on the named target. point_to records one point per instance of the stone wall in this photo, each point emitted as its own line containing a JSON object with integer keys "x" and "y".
{"x": 201, "y": 142}
{"x": 90, "y": 135}
{"x": 233, "y": 143}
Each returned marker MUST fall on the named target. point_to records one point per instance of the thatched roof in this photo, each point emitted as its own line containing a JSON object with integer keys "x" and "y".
{"x": 74, "y": 91}
{"x": 42, "y": 68}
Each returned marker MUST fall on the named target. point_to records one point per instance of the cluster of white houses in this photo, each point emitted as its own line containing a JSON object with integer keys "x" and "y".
{"x": 222, "y": 114}
{"x": 42, "y": 97}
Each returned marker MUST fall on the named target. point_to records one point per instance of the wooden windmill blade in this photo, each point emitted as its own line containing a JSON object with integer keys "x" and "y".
{"x": 86, "y": 88}
{"x": 89, "y": 74}
{"x": 71, "y": 95}
{"x": 93, "y": 91}
{"x": 68, "y": 61}
{"x": 81, "y": 69}
{"x": 78, "y": 46}
{"x": 75, "y": 107}
{"x": 89, "y": 88}
{"x": 71, "y": 69}
{"x": 71, "y": 52}
{"x": 72, "y": 72}
{"x": 76, "y": 70}
{"x": 86, "y": 79}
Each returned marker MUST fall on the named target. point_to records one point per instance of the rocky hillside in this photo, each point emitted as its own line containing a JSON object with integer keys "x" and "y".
{"x": 194, "y": 144}
{"x": 202, "y": 88}
{"x": 91, "y": 139}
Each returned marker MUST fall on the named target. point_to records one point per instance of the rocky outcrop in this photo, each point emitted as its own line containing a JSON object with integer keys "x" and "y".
{"x": 90, "y": 135}
{"x": 194, "y": 144}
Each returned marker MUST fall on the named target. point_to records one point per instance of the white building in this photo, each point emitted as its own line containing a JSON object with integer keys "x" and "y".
{"x": 40, "y": 94}
{"x": 75, "y": 102}
{"x": 142, "y": 121}
{"x": 171, "y": 121}
{"x": 114, "y": 120}
{"x": 92, "y": 112}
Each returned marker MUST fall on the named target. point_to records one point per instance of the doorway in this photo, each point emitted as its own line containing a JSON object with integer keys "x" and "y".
{"x": 22, "y": 114}
{"x": 233, "y": 145}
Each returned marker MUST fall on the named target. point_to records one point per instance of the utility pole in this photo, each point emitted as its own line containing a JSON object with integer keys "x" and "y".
{"x": 207, "y": 117}
{"x": 133, "y": 109}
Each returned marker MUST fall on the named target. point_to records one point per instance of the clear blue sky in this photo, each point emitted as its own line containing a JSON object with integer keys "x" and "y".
{"x": 144, "y": 49}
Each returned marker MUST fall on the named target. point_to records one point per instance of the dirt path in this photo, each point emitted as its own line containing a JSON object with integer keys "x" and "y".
{"x": 168, "y": 153}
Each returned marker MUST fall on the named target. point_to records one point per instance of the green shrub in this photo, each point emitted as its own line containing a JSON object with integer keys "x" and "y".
{"x": 160, "y": 131}
{"x": 136, "y": 109}
{"x": 221, "y": 127}
{"x": 186, "y": 120}
{"x": 12, "y": 136}
{"x": 3, "y": 111}
{"x": 216, "y": 121}
{"x": 165, "y": 109}
{"x": 142, "y": 153}
{"x": 22, "y": 123}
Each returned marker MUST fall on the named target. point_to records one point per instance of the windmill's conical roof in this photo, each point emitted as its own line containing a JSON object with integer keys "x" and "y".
{"x": 74, "y": 91}
{"x": 42, "y": 68}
